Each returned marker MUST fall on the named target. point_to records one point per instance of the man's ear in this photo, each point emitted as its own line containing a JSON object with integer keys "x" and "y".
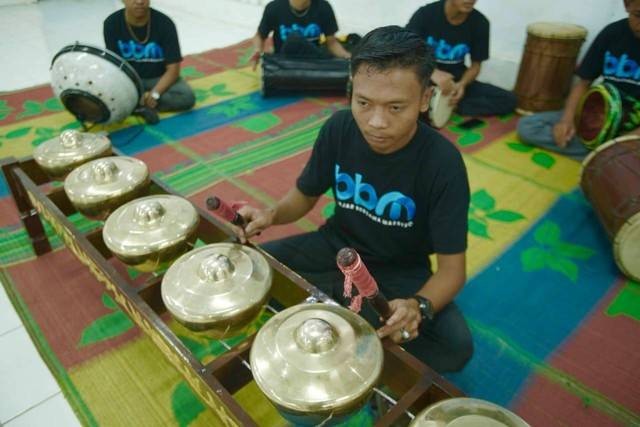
{"x": 426, "y": 98}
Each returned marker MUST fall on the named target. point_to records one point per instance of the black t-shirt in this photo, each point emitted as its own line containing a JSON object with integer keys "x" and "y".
{"x": 278, "y": 17}
{"x": 392, "y": 208}
{"x": 614, "y": 55}
{"x": 150, "y": 58}
{"x": 452, "y": 43}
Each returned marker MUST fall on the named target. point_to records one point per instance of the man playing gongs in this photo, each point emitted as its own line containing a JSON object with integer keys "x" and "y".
{"x": 401, "y": 193}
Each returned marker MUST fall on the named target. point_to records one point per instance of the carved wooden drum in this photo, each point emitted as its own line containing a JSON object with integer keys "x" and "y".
{"x": 611, "y": 182}
{"x": 547, "y": 66}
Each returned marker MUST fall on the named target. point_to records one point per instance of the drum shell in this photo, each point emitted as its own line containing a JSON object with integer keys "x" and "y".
{"x": 603, "y": 113}
{"x": 610, "y": 181}
{"x": 546, "y": 71}
{"x": 95, "y": 84}
{"x": 284, "y": 75}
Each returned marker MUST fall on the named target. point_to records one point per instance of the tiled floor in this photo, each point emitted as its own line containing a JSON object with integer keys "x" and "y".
{"x": 29, "y": 395}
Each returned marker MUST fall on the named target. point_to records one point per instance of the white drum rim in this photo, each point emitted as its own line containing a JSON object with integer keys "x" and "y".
{"x": 578, "y": 31}
{"x": 109, "y": 56}
{"x": 626, "y": 247}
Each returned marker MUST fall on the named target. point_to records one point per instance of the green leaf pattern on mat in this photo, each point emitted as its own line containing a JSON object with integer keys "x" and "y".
{"x": 627, "y": 302}
{"x": 33, "y": 108}
{"x": 330, "y": 208}
{"x": 482, "y": 210}
{"x": 539, "y": 157}
{"x": 244, "y": 56}
{"x": 185, "y": 405}
{"x": 217, "y": 90}
{"x": 108, "y": 326}
{"x": 190, "y": 72}
{"x": 259, "y": 123}
{"x": 5, "y": 109}
{"x": 16, "y": 133}
{"x": 466, "y": 137}
{"x": 233, "y": 108}
{"x": 553, "y": 253}
{"x": 45, "y": 133}
{"x": 184, "y": 402}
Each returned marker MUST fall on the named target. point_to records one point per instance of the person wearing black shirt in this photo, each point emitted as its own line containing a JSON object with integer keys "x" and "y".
{"x": 454, "y": 29}
{"x": 401, "y": 192}
{"x": 614, "y": 55}
{"x": 297, "y": 26}
{"x": 147, "y": 39}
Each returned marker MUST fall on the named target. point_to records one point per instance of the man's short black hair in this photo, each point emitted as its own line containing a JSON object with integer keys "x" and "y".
{"x": 394, "y": 47}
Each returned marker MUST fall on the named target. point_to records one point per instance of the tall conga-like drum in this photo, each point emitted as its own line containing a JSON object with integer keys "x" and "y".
{"x": 547, "y": 65}
{"x": 611, "y": 182}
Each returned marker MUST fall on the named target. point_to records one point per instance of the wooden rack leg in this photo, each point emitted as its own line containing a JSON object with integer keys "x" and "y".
{"x": 28, "y": 215}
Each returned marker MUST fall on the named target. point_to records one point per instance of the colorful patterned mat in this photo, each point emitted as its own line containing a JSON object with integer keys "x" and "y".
{"x": 556, "y": 327}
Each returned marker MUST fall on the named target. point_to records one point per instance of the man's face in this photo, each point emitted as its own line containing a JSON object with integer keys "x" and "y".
{"x": 463, "y": 6}
{"x": 137, "y": 8}
{"x": 300, "y": 4}
{"x": 633, "y": 9}
{"x": 386, "y": 105}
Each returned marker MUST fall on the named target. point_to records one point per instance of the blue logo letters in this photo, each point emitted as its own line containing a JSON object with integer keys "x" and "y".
{"x": 393, "y": 204}
{"x": 445, "y": 52}
{"x": 131, "y": 50}
{"x": 622, "y": 67}
{"x": 311, "y": 31}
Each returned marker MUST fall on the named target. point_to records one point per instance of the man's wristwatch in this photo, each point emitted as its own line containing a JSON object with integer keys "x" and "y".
{"x": 425, "y": 307}
{"x": 155, "y": 95}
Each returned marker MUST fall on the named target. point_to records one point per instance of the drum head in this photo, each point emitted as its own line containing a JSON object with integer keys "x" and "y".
{"x": 439, "y": 109}
{"x": 557, "y": 30}
{"x": 626, "y": 248}
{"x": 95, "y": 84}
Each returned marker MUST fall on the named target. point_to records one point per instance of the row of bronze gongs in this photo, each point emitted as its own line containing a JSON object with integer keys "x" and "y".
{"x": 315, "y": 362}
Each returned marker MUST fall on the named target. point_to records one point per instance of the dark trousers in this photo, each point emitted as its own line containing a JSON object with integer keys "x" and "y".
{"x": 444, "y": 344}
{"x": 179, "y": 96}
{"x": 484, "y": 99}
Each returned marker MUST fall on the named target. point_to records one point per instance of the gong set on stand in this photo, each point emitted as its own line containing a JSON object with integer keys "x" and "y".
{"x": 315, "y": 361}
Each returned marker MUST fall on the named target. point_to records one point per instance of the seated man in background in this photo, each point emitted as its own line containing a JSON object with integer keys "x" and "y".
{"x": 147, "y": 39}
{"x": 297, "y": 26}
{"x": 614, "y": 55}
{"x": 454, "y": 29}
{"x": 401, "y": 192}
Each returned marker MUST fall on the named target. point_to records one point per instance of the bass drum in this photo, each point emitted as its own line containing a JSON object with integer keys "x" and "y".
{"x": 95, "y": 84}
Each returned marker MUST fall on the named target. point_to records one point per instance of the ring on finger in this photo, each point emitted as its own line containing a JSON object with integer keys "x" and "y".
{"x": 404, "y": 334}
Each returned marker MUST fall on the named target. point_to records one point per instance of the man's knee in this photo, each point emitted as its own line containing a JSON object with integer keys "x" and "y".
{"x": 179, "y": 97}
{"x": 189, "y": 98}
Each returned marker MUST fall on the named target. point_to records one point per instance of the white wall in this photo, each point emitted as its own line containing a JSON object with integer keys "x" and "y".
{"x": 509, "y": 19}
